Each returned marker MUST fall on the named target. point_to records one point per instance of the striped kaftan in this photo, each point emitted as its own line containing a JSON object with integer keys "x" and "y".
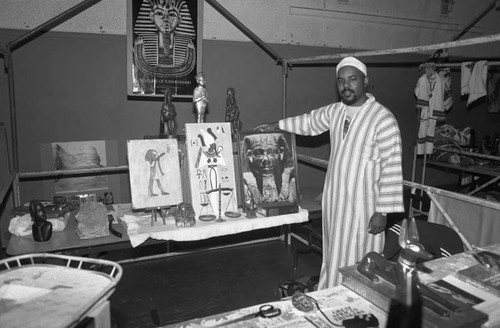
{"x": 364, "y": 176}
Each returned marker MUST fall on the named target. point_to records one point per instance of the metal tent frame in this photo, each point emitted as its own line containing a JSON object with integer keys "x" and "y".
{"x": 15, "y": 175}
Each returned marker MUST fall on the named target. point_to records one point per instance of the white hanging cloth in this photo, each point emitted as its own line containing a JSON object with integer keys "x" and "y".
{"x": 473, "y": 80}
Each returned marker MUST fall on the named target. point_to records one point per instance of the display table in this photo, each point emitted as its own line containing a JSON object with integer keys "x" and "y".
{"x": 448, "y": 265}
{"x": 338, "y": 303}
{"x": 137, "y": 230}
{"x": 67, "y": 242}
{"x": 492, "y": 171}
{"x": 478, "y": 308}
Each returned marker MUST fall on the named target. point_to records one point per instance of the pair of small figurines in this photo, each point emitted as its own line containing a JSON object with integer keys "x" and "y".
{"x": 200, "y": 100}
{"x": 168, "y": 127}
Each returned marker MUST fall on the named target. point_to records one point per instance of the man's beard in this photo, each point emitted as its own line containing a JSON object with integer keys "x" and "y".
{"x": 348, "y": 100}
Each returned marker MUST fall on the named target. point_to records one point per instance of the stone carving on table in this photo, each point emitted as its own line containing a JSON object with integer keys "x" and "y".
{"x": 232, "y": 111}
{"x": 185, "y": 215}
{"x": 92, "y": 221}
{"x": 200, "y": 98}
{"x": 41, "y": 228}
{"x": 168, "y": 126}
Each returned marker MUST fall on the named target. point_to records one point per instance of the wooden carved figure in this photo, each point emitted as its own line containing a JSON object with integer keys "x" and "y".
{"x": 200, "y": 98}
{"x": 232, "y": 111}
{"x": 168, "y": 125}
{"x": 41, "y": 228}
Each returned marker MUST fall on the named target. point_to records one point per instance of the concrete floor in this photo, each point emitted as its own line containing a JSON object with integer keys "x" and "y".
{"x": 165, "y": 290}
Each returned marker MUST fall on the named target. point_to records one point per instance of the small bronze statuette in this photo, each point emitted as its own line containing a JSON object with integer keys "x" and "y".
{"x": 184, "y": 215}
{"x": 200, "y": 98}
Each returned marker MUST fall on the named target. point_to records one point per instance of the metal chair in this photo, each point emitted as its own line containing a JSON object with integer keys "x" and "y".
{"x": 438, "y": 239}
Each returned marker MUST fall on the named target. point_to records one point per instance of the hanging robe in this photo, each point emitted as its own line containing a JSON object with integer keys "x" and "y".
{"x": 364, "y": 176}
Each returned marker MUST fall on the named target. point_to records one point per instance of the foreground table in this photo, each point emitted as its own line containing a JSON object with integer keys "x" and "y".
{"x": 341, "y": 303}
{"x": 338, "y": 303}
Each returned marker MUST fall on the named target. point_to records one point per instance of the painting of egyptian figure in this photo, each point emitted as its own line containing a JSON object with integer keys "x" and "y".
{"x": 268, "y": 166}
{"x": 211, "y": 169}
{"x": 155, "y": 176}
{"x": 164, "y": 46}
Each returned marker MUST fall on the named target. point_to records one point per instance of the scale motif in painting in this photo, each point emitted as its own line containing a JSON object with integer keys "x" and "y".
{"x": 211, "y": 167}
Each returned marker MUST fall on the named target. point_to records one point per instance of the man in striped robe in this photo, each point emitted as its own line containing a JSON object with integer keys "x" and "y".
{"x": 364, "y": 176}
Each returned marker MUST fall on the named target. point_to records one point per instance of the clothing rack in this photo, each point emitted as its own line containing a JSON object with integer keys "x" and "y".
{"x": 437, "y": 46}
{"x": 431, "y": 192}
{"x": 493, "y": 63}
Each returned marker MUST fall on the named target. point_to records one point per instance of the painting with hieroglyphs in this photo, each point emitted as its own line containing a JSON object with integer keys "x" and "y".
{"x": 211, "y": 169}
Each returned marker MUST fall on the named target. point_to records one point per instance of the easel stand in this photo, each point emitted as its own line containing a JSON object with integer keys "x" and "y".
{"x": 162, "y": 212}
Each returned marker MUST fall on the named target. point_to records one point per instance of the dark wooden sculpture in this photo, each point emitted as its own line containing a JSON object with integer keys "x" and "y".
{"x": 41, "y": 228}
{"x": 232, "y": 111}
{"x": 168, "y": 125}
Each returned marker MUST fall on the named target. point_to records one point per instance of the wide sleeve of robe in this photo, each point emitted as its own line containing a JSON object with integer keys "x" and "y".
{"x": 390, "y": 184}
{"x": 310, "y": 124}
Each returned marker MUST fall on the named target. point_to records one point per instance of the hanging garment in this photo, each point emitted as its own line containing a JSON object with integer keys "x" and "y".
{"x": 445, "y": 75}
{"x": 433, "y": 93}
{"x": 427, "y": 125}
{"x": 436, "y": 97}
{"x": 473, "y": 80}
{"x": 364, "y": 176}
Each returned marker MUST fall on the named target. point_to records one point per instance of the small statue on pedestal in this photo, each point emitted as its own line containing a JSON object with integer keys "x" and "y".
{"x": 232, "y": 111}
{"x": 41, "y": 228}
{"x": 185, "y": 215}
{"x": 249, "y": 206}
{"x": 200, "y": 98}
{"x": 168, "y": 126}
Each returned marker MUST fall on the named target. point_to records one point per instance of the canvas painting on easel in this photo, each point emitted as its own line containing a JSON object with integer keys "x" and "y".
{"x": 155, "y": 176}
{"x": 211, "y": 170}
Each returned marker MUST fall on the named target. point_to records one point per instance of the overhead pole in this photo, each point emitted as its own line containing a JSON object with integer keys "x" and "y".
{"x": 477, "y": 18}
{"x": 12, "y": 107}
{"x": 50, "y": 24}
{"x": 252, "y": 36}
{"x": 9, "y": 67}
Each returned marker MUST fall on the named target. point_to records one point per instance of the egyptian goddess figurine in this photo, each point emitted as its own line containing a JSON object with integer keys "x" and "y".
{"x": 168, "y": 125}
{"x": 41, "y": 228}
{"x": 200, "y": 98}
{"x": 232, "y": 111}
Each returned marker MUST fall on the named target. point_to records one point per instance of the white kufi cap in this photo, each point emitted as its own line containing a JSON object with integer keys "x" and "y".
{"x": 351, "y": 61}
